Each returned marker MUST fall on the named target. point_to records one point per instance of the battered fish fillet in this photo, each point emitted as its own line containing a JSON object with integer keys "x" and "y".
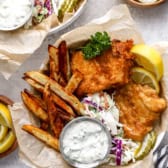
{"x": 110, "y": 69}
{"x": 139, "y": 108}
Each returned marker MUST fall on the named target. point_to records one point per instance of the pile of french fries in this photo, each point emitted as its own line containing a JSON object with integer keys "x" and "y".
{"x": 54, "y": 102}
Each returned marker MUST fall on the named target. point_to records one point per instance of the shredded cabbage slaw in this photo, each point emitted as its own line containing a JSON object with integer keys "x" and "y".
{"x": 102, "y": 107}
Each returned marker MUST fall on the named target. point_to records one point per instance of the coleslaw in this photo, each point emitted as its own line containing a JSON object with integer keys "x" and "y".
{"x": 44, "y": 8}
{"x": 102, "y": 107}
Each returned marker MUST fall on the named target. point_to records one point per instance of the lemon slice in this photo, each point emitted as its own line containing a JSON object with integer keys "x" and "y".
{"x": 149, "y": 58}
{"x": 7, "y": 142}
{"x": 138, "y": 148}
{"x": 5, "y": 117}
{"x": 3, "y": 132}
{"x": 146, "y": 145}
{"x": 144, "y": 77}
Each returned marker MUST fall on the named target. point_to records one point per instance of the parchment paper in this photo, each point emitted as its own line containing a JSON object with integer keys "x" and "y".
{"x": 16, "y": 46}
{"x": 119, "y": 24}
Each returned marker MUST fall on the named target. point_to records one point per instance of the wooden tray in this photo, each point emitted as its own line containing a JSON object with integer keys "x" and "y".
{"x": 145, "y": 5}
{"x": 7, "y": 101}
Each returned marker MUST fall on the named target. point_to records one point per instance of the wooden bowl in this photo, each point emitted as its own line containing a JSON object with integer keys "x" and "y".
{"x": 145, "y": 5}
{"x": 5, "y": 100}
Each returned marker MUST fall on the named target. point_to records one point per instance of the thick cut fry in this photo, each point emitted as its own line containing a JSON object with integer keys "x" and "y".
{"x": 74, "y": 82}
{"x": 34, "y": 107}
{"x": 44, "y": 125}
{"x": 58, "y": 101}
{"x": 68, "y": 97}
{"x": 56, "y": 123}
{"x": 37, "y": 99}
{"x": 42, "y": 135}
{"x": 64, "y": 64}
{"x": 59, "y": 125}
{"x": 66, "y": 117}
{"x": 51, "y": 108}
{"x": 54, "y": 57}
{"x": 34, "y": 84}
{"x": 57, "y": 89}
{"x": 54, "y": 65}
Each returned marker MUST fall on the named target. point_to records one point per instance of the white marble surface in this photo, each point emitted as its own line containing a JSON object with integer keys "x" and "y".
{"x": 152, "y": 23}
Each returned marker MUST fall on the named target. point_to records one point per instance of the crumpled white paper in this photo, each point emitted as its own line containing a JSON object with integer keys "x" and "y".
{"x": 119, "y": 24}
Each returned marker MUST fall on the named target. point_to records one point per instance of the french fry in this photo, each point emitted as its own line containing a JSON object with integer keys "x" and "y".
{"x": 44, "y": 125}
{"x": 34, "y": 84}
{"x": 59, "y": 102}
{"x": 54, "y": 57}
{"x": 37, "y": 99}
{"x": 68, "y": 97}
{"x": 42, "y": 135}
{"x": 57, "y": 89}
{"x": 74, "y": 81}
{"x": 51, "y": 108}
{"x": 59, "y": 125}
{"x": 54, "y": 62}
{"x": 34, "y": 107}
{"x": 66, "y": 117}
{"x": 64, "y": 64}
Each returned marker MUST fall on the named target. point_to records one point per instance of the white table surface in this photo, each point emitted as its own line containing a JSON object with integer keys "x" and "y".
{"x": 152, "y": 23}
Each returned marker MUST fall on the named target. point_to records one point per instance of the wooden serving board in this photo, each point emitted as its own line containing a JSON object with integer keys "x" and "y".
{"x": 7, "y": 101}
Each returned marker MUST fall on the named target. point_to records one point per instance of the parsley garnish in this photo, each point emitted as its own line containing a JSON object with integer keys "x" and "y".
{"x": 97, "y": 44}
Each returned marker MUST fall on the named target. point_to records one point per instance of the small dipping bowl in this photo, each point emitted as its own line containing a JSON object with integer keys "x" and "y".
{"x": 15, "y": 12}
{"x": 145, "y": 5}
{"x": 85, "y": 142}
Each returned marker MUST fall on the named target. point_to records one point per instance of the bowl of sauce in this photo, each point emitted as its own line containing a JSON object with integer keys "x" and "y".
{"x": 85, "y": 142}
{"x": 14, "y": 13}
{"x": 145, "y": 3}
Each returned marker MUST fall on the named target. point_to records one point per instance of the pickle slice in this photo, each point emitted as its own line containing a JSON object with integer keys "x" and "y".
{"x": 146, "y": 146}
{"x": 66, "y": 6}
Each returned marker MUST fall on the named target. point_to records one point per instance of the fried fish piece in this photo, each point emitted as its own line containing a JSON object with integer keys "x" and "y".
{"x": 110, "y": 69}
{"x": 140, "y": 107}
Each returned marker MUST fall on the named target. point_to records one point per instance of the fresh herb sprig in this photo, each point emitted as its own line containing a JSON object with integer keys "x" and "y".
{"x": 97, "y": 44}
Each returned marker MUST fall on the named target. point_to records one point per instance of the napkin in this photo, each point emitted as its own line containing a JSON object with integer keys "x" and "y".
{"x": 119, "y": 24}
{"x": 160, "y": 157}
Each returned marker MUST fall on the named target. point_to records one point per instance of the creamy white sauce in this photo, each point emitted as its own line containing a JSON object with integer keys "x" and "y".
{"x": 147, "y": 1}
{"x": 85, "y": 142}
{"x": 14, "y": 12}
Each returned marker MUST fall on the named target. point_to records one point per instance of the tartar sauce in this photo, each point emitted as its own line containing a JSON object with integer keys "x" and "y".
{"x": 14, "y": 12}
{"x": 85, "y": 142}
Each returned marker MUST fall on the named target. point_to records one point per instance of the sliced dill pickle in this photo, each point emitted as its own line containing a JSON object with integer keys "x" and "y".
{"x": 66, "y": 6}
{"x": 146, "y": 145}
{"x": 72, "y": 5}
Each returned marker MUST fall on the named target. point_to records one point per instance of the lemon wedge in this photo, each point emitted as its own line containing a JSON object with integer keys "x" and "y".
{"x": 149, "y": 58}
{"x": 5, "y": 117}
{"x": 144, "y": 77}
{"x": 7, "y": 142}
{"x": 3, "y": 132}
{"x": 146, "y": 145}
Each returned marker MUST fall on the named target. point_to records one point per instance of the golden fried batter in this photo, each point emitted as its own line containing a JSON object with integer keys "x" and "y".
{"x": 110, "y": 69}
{"x": 139, "y": 108}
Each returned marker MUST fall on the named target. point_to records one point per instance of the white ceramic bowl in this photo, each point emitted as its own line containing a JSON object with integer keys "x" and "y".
{"x": 29, "y": 14}
{"x": 70, "y": 20}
